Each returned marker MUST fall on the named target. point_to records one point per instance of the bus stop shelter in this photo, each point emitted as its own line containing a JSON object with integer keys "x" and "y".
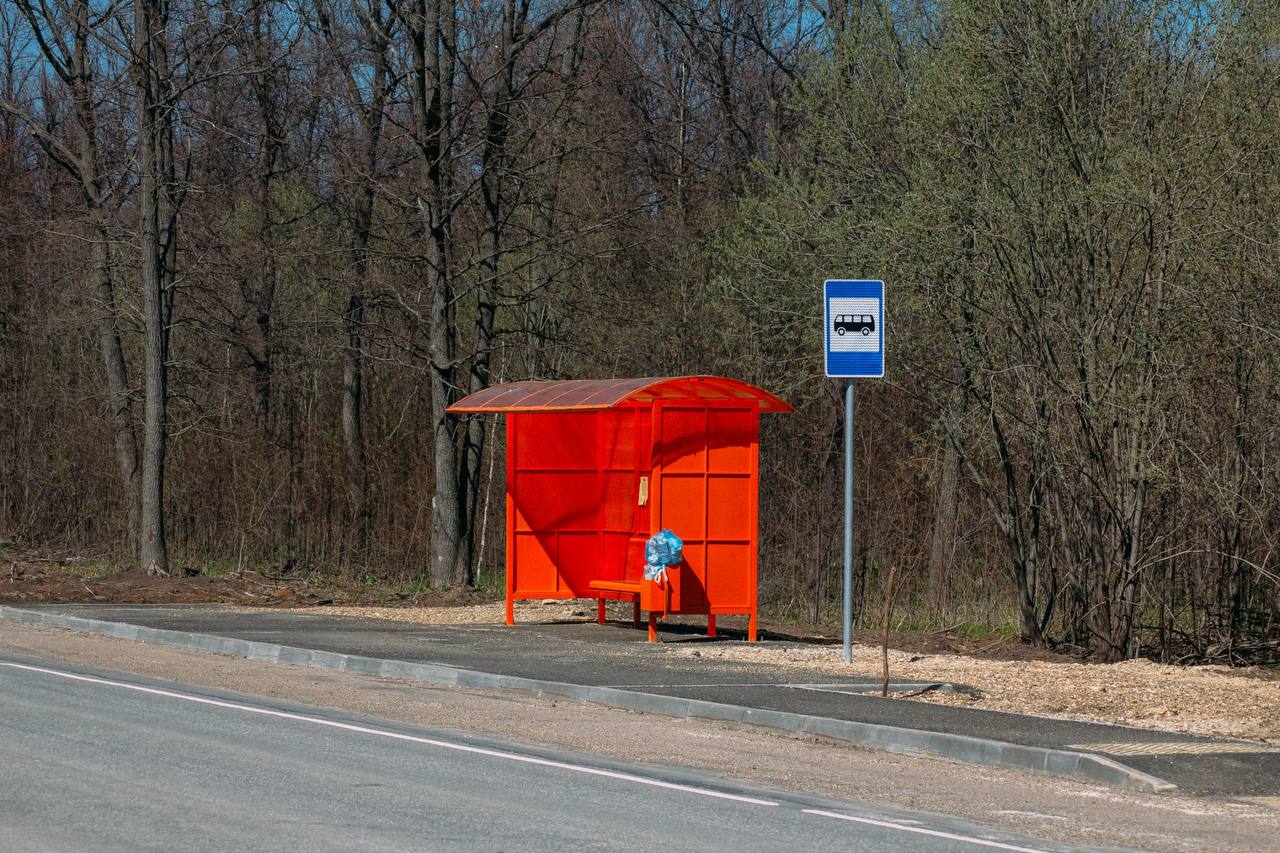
{"x": 596, "y": 467}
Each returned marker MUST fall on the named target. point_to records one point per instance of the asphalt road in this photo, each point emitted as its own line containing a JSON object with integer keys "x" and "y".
{"x": 615, "y": 656}
{"x": 101, "y": 761}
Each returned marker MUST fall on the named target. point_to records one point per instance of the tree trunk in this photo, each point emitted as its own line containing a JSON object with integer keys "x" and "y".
{"x": 151, "y": 118}
{"x": 942, "y": 543}
{"x": 75, "y": 67}
{"x": 126, "y": 443}
{"x": 356, "y": 541}
{"x": 259, "y": 41}
{"x": 446, "y": 522}
{"x": 493, "y": 173}
{"x": 371, "y": 113}
{"x": 99, "y": 277}
{"x": 435, "y": 97}
{"x": 446, "y": 519}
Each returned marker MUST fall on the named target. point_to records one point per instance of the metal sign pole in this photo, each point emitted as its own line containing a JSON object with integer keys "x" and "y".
{"x": 849, "y": 408}
{"x": 854, "y": 335}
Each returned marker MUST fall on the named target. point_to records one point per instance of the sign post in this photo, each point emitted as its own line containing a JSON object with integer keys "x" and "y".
{"x": 853, "y": 337}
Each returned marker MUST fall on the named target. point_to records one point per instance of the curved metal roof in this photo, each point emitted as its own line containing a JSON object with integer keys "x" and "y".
{"x": 593, "y": 394}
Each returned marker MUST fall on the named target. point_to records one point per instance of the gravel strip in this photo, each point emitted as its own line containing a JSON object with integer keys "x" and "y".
{"x": 1205, "y": 700}
{"x": 550, "y": 610}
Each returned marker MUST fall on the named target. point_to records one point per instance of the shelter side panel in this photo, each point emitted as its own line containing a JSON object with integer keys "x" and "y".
{"x": 707, "y": 498}
{"x": 534, "y": 569}
{"x": 557, "y": 441}
{"x": 551, "y": 501}
{"x": 578, "y": 563}
{"x": 627, "y": 460}
{"x": 729, "y": 568}
{"x": 731, "y": 435}
{"x": 627, "y": 438}
{"x": 683, "y": 448}
{"x": 617, "y": 560}
{"x": 621, "y": 502}
{"x": 684, "y": 512}
{"x": 684, "y": 505}
{"x": 556, "y": 490}
{"x": 729, "y": 508}
{"x": 728, "y": 576}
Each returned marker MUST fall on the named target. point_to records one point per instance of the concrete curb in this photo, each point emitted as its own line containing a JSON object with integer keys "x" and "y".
{"x": 1082, "y": 766}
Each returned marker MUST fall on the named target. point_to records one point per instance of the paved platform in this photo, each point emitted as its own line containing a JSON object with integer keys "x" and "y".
{"x": 617, "y": 656}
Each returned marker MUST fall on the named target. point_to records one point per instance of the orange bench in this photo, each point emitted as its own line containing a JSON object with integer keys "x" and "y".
{"x": 644, "y": 594}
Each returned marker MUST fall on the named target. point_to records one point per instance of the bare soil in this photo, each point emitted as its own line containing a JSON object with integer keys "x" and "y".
{"x": 27, "y": 578}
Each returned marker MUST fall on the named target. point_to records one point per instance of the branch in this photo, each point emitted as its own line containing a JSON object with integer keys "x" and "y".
{"x": 50, "y": 143}
{"x": 57, "y": 59}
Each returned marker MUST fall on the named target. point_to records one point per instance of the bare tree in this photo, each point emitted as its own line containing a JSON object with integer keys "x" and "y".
{"x": 65, "y": 34}
{"x": 159, "y": 198}
{"x": 368, "y": 46}
{"x": 443, "y": 126}
{"x": 259, "y": 41}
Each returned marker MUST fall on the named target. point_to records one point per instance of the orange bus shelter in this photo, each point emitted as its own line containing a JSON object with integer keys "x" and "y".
{"x": 596, "y": 467}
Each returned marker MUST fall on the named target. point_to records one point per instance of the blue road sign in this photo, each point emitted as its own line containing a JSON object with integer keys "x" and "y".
{"x": 853, "y": 330}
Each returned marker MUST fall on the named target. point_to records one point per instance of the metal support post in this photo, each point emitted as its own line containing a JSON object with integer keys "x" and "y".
{"x": 849, "y": 409}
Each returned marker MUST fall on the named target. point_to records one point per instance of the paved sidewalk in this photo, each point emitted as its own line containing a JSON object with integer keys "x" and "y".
{"x": 617, "y": 656}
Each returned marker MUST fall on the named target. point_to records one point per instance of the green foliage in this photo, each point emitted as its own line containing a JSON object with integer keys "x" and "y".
{"x": 1074, "y": 207}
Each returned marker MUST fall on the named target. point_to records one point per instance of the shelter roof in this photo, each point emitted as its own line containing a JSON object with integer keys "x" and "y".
{"x": 593, "y": 394}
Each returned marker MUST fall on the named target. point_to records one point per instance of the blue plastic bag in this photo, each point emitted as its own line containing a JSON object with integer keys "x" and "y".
{"x": 663, "y": 549}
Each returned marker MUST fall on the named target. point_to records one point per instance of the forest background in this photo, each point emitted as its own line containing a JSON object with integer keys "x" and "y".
{"x": 250, "y": 250}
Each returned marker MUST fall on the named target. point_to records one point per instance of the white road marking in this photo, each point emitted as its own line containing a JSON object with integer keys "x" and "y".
{"x": 444, "y": 744}
{"x": 936, "y": 833}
